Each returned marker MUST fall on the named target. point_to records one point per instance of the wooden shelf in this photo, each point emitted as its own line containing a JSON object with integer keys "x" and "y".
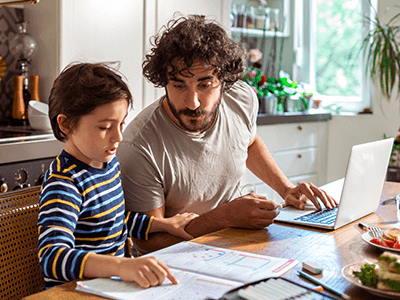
{"x": 257, "y": 32}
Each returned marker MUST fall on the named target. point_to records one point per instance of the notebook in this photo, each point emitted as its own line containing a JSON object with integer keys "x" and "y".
{"x": 203, "y": 271}
{"x": 358, "y": 193}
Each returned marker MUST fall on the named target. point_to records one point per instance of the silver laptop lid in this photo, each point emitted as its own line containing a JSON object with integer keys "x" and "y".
{"x": 365, "y": 176}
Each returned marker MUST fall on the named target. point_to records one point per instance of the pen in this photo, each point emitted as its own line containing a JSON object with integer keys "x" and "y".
{"x": 324, "y": 285}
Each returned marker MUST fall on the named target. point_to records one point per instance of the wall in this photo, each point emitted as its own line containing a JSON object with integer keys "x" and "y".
{"x": 345, "y": 131}
{"x": 70, "y": 31}
{"x": 9, "y": 17}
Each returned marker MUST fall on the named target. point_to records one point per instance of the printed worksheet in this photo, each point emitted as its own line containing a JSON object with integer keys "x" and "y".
{"x": 203, "y": 271}
{"x": 191, "y": 286}
{"x": 223, "y": 263}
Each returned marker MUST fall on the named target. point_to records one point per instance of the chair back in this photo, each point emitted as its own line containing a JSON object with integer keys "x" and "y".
{"x": 20, "y": 273}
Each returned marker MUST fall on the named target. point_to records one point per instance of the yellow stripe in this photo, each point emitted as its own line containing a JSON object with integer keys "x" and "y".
{"x": 99, "y": 215}
{"x": 119, "y": 248}
{"x": 43, "y": 248}
{"x": 74, "y": 206}
{"x": 100, "y": 238}
{"x": 127, "y": 216}
{"x": 58, "y": 164}
{"x": 101, "y": 184}
{"x": 55, "y": 262}
{"x": 83, "y": 264}
{"x": 69, "y": 168}
{"x": 61, "y": 177}
{"x": 146, "y": 235}
{"x": 65, "y": 229}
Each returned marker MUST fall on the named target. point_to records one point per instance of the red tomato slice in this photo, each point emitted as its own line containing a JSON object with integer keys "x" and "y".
{"x": 376, "y": 241}
{"x": 396, "y": 245}
{"x": 390, "y": 243}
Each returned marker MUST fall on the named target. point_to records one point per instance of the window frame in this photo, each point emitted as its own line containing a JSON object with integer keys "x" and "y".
{"x": 305, "y": 49}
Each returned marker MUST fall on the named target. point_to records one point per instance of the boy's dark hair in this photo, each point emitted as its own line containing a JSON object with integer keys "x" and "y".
{"x": 79, "y": 89}
{"x": 188, "y": 39}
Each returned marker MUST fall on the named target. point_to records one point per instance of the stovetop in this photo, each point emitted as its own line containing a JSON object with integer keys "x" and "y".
{"x": 10, "y": 134}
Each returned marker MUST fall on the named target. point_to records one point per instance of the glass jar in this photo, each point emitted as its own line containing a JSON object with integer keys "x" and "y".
{"x": 250, "y": 17}
{"x": 239, "y": 11}
{"x": 259, "y": 20}
{"x": 274, "y": 24}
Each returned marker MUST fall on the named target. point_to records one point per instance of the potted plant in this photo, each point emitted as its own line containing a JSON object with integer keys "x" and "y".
{"x": 382, "y": 53}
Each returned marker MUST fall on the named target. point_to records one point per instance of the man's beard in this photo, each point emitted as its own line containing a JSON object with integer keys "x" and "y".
{"x": 196, "y": 120}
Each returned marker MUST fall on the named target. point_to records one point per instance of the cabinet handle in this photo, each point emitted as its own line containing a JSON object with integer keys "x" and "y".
{"x": 299, "y": 156}
{"x": 299, "y": 128}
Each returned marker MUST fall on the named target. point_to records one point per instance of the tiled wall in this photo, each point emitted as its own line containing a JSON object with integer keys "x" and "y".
{"x": 9, "y": 17}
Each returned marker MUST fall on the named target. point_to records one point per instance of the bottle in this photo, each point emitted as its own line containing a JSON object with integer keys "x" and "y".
{"x": 24, "y": 71}
{"x": 18, "y": 111}
{"x": 34, "y": 87}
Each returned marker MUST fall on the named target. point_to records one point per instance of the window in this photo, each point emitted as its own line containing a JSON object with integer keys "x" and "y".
{"x": 328, "y": 36}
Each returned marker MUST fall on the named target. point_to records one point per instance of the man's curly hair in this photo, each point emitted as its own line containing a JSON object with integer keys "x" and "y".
{"x": 191, "y": 38}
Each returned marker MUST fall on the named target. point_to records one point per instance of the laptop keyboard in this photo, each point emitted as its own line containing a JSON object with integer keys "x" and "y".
{"x": 325, "y": 217}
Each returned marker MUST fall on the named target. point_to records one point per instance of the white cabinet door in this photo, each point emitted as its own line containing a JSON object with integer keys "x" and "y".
{"x": 167, "y": 8}
{"x": 88, "y": 31}
{"x": 105, "y": 31}
{"x": 298, "y": 149}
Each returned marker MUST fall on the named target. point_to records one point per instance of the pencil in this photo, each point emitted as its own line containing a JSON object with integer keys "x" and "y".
{"x": 323, "y": 284}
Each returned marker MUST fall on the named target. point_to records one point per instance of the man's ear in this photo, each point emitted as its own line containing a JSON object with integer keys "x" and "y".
{"x": 63, "y": 124}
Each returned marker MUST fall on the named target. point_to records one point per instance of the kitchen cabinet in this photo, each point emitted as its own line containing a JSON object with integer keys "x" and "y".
{"x": 88, "y": 31}
{"x": 300, "y": 150}
{"x": 106, "y": 31}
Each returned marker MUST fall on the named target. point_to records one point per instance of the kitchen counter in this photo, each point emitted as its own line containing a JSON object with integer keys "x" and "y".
{"x": 21, "y": 143}
{"x": 294, "y": 117}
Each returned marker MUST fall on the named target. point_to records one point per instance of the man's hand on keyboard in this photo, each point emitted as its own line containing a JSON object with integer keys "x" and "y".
{"x": 297, "y": 196}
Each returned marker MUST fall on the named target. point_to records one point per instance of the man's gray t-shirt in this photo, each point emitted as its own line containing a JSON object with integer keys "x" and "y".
{"x": 165, "y": 165}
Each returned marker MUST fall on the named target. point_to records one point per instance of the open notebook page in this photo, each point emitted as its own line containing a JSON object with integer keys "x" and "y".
{"x": 191, "y": 286}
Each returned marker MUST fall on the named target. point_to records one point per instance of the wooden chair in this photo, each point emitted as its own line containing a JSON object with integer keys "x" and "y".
{"x": 20, "y": 273}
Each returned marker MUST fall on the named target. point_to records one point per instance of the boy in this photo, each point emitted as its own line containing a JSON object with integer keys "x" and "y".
{"x": 82, "y": 222}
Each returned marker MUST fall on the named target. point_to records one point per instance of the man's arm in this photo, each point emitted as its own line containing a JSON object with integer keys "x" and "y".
{"x": 209, "y": 222}
{"x": 261, "y": 163}
{"x": 250, "y": 211}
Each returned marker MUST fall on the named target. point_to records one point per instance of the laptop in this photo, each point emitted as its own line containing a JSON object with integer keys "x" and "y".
{"x": 358, "y": 194}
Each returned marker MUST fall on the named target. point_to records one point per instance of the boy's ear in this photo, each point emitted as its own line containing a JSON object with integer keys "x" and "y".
{"x": 63, "y": 124}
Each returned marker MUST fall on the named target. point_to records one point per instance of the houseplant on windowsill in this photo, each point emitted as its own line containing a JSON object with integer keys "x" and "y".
{"x": 381, "y": 51}
{"x": 269, "y": 89}
{"x": 382, "y": 54}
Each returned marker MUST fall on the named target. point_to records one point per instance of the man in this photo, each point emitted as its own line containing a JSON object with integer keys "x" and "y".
{"x": 187, "y": 152}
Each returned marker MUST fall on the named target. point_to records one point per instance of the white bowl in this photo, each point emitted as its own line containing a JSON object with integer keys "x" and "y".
{"x": 36, "y": 108}
{"x": 39, "y": 122}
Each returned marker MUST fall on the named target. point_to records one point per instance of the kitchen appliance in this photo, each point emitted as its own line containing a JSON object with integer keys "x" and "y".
{"x": 25, "y": 155}
{"x": 19, "y": 175}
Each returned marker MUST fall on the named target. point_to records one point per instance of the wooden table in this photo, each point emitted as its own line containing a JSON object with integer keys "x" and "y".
{"x": 332, "y": 249}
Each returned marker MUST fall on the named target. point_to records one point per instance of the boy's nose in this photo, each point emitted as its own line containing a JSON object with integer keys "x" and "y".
{"x": 117, "y": 137}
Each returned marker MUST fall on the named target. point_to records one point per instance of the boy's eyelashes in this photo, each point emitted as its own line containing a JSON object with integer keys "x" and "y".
{"x": 110, "y": 126}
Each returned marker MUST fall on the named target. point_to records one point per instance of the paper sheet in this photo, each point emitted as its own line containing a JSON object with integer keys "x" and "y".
{"x": 223, "y": 263}
{"x": 191, "y": 286}
{"x": 203, "y": 271}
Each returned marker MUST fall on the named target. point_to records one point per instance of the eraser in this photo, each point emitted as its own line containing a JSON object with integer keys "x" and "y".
{"x": 312, "y": 267}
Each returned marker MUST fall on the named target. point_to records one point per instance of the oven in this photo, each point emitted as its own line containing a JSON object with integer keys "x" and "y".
{"x": 25, "y": 155}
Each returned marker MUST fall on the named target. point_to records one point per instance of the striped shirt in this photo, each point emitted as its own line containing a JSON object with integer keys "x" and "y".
{"x": 82, "y": 210}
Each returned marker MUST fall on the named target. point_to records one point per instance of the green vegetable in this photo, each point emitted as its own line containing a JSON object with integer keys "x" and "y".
{"x": 392, "y": 284}
{"x": 367, "y": 275}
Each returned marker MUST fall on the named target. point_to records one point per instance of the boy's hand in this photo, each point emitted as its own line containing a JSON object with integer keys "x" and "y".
{"x": 176, "y": 225}
{"x": 145, "y": 271}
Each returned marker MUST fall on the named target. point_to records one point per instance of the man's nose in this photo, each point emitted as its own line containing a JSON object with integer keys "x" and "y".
{"x": 192, "y": 100}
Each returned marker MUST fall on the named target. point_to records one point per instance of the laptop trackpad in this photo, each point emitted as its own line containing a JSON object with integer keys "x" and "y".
{"x": 289, "y": 212}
